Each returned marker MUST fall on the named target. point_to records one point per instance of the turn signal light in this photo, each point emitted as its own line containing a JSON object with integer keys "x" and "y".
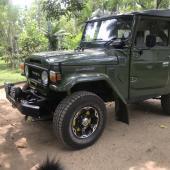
{"x": 54, "y": 77}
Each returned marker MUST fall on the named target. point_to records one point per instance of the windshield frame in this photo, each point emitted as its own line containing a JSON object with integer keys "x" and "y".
{"x": 101, "y": 43}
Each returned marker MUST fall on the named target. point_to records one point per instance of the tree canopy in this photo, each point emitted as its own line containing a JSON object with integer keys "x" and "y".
{"x": 54, "y": 24}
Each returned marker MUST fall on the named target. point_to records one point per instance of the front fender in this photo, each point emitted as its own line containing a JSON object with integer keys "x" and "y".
{"x": 72, "y": 80}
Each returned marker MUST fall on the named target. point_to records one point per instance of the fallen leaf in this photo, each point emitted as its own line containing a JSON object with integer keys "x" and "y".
{"x": 13, "y": 124}
{"x": 163, "y": 126}
{"x": 21, "y": 143}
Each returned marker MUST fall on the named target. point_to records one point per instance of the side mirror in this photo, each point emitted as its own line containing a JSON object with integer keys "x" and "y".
{"x": 150, "y": 41}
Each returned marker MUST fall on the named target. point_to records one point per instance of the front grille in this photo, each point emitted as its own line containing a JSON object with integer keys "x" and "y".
{"x": 35, "y": 74}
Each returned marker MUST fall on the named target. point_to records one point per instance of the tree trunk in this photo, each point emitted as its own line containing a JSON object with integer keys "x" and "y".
{"x": 158, "y": 3}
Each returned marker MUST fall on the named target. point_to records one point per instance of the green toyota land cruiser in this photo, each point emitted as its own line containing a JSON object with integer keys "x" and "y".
{"x": 123, "y": 58}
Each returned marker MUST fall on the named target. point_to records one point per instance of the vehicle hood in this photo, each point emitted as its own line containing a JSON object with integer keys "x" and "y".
{"x": 92, "y": 56}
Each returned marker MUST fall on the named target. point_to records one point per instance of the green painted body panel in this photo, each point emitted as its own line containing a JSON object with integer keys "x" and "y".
{"x": 133, "y": 74}
{"x": 150, "y": 72}
{"x": 149, "y": 67}
{"x": 110, "y": 66}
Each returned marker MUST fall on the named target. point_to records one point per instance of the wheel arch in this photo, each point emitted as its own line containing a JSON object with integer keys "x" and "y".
{"x": 106, "y": 92}
{"x": 99, "y": 87}
{"x": 98, "y": 84}
{"x": 70, "y": 84}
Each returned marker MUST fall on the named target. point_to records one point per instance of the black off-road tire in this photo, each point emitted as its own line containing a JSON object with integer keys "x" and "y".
{"x": 165, "y": 102}
{"x": 65, "y": 112}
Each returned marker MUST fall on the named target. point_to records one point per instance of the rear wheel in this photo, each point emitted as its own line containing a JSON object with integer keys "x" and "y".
{"x": 165, "y": 102}
{"x": 79, "y": 119}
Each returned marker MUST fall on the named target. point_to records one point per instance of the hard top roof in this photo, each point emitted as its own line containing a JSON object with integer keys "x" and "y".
{"x": 154, "y": 12}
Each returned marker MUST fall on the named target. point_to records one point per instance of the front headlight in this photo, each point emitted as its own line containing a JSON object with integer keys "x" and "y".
{"x": 26, "y": 71}
{"x": 44, "y": 77}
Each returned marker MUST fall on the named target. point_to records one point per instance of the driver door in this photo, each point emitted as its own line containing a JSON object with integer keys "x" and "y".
{"x": 150, "y": 66}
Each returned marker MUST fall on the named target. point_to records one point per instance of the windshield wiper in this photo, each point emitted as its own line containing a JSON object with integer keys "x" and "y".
{"x": 97, "y": 39}
{"x": 110, "y": 41}
{"x": 122, "y": 42}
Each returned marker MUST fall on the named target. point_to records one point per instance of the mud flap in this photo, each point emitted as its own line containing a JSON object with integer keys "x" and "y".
{"x": 121, "y": 111}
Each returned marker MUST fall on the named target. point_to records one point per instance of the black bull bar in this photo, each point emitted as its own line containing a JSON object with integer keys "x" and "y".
{"x": 26, "y": 101}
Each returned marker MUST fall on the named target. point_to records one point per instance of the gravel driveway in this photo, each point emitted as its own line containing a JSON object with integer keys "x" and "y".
{"x": 143, "y": 145}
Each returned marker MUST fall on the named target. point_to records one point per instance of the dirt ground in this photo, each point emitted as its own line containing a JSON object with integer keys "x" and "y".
{"x": 143, "y": 145}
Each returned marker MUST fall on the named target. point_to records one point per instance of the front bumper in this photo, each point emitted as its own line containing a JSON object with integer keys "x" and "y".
{"x": 27, "y": 102}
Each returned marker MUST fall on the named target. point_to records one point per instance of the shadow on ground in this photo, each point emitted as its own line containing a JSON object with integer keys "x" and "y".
{"x": 143, "y": 145}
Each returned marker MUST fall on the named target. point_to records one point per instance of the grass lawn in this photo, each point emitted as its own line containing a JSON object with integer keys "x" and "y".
{"x": 8, "y": 75}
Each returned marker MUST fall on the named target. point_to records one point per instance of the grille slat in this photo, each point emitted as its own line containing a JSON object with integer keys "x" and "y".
{"x": 35, "y": 74}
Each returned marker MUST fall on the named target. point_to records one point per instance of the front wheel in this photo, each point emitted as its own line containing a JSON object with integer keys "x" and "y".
{"x": 79, "y": 119}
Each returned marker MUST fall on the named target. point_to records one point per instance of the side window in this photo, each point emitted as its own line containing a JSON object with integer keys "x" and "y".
{"x": 152, "y": 27}
{"x": 161, "y": 32}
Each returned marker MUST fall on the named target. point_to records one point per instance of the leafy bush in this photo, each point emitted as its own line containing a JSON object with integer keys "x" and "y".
{"x": 2, "y": 51}
{"x": 72, "y": 41}
{"x": 32, "y": 40}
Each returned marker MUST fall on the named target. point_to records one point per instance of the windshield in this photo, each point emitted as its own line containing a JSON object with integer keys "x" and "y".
{"x": 105, "y": 30}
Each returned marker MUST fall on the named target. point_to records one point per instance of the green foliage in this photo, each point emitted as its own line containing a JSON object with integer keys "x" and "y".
{"x": 2, "y": 51}
{"x": 72, "y": 41}
{"x": 163, "y": 4}
{"x": 8, "y": 75}
{"x": 57, "y": 8}
{"x": 32, "y": 40}
{"x": 133, "y": 5}
{"x": 9, "y": 28}
{"x": 54, "y": 23}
